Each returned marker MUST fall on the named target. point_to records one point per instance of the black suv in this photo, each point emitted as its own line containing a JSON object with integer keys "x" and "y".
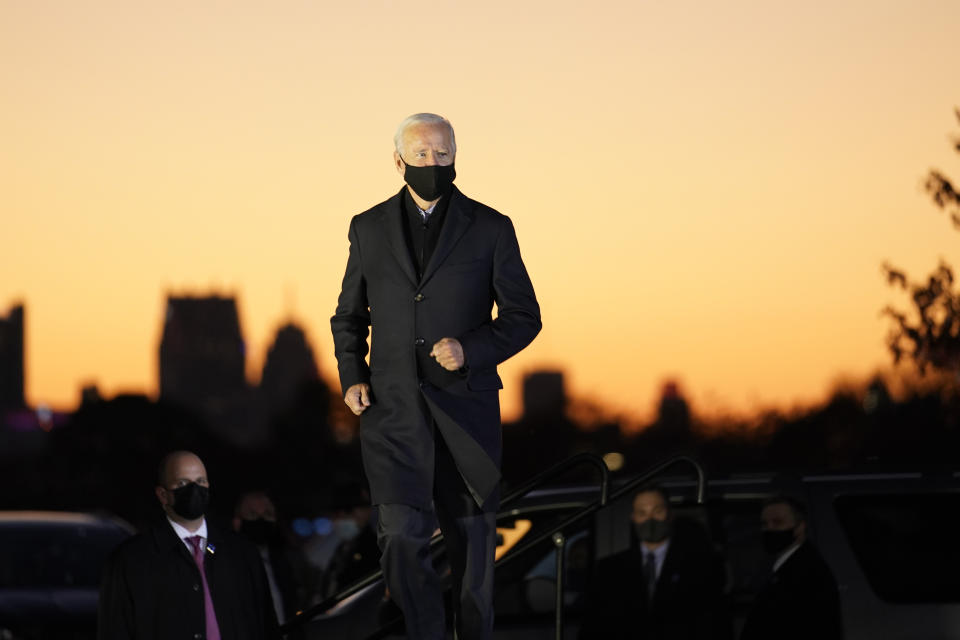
{"x": 50, "y": 566}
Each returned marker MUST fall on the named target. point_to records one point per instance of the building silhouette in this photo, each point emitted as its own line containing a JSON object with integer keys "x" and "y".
{"x": 202, "y": 355}
{"x": 544, "y": 396}
{"x": 544, "y": 434}
{"x": 11, "y": 360}
{"x": 289, "y": 366}
{"x": 673, "y": 412}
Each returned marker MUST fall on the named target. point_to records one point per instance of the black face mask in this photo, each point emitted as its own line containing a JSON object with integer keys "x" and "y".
{"x": 429, "y": 182}
{"x": 190, "y": 501}
{"x": 261, "y": 532}
{"x": 653, "y": 530}
{"x": 774, "y": 542}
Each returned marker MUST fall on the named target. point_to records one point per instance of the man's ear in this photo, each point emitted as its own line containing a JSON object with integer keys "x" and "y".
{"x": 398, "y": 163}
{"x": 161, "y": 494}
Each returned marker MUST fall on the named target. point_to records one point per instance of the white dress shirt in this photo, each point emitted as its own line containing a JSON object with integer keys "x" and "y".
{"x": 183, "y": 534}
{"x": 425, "y": 213}
{"x": 659, "y": 555}
{"x": 783, "y": 557}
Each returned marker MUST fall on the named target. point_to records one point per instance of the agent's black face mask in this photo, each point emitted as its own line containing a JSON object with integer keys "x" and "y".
{"x": 429, "y": 182}
{"x": 190, "y": 501}
{"x": 653, "y": 530}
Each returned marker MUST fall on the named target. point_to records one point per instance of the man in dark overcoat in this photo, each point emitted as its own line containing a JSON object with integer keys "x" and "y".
{"x": 667, "y": 586}
{"x": 185, "y": 577}
{"x": 801, "y": 599}
{"x": 424, "y": 271}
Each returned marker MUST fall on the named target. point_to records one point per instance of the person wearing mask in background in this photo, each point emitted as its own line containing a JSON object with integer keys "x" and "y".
{"x": 185, "y": 577}
{"x": 667, "y": 586}
{"x": 801, "y": 599}
{"x": 255, "y": 517}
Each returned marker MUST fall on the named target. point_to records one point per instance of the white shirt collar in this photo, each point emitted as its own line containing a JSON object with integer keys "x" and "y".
{"x": 425, "y": 213}
{"x": 785, "y": 556}
{"x": 183, "y": 533}
{"x": 659, "y": 554}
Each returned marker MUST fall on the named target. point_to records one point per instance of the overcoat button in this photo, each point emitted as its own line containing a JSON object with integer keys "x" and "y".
{"x": 418, "y": 297}
{"x": 419, "y": 342}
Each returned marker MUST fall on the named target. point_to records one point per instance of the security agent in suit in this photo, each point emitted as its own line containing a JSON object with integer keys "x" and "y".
{"x": 801, "y": 599}
{"x": 667, "y": 586}
{"x": 424, "y": 270}
{"x": 255, "y": 518}
{"x": 153, "y": 585}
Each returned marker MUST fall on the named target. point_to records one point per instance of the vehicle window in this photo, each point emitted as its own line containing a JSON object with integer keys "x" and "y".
{"x": 906, "y": 544}
{"x": 540, "y": 581}
{"x": 33, "y": 556}
{"x": 527, "y": 584}
{"x": 509, "y": 535}
{"x": 546, "y": 567}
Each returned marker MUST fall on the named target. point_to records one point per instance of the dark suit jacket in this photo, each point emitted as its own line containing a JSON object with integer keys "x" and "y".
{"x": 688, "y": 602}
{"x": 285, "y": 578}
{"x": 801, "y": 601}
{"x": 475, "y": 264}
{"x": 151, "y": 589}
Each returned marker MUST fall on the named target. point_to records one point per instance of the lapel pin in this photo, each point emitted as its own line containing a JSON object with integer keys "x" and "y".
{"x": 211, "y": 549}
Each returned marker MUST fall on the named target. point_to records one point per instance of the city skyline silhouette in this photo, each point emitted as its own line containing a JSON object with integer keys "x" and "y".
{"x": 702, "y": 195}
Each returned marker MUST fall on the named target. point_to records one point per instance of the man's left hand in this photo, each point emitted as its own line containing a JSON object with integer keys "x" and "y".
{"x": 449, "y": 353}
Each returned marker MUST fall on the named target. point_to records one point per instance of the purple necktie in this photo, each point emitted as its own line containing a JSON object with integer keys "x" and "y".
{"x": 213, "y": 631}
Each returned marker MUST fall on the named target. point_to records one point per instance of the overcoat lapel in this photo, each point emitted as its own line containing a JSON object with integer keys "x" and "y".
{"x": 218, "y": 578}
{"x": 668, "y": 574}
{"x": 209, "y": 555}
{"x": 635, "y": 590}
{"x": 458, "y": 221}
{"x": 392, "y": 220}
{"x": 166, "y": 538}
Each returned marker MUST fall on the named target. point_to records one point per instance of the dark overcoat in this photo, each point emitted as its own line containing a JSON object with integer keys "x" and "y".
{"x": 151, "y": 589}
{"x": 688, "y": 602}
{"x": 800, "y": 601}
{"x": 475, "y": 264}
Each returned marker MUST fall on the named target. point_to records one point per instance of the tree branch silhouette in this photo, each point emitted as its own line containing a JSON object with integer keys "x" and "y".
{"x": 928, "y": 334}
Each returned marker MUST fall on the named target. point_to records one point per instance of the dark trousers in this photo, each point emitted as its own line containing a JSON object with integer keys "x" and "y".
{"x": 404, "y": 533}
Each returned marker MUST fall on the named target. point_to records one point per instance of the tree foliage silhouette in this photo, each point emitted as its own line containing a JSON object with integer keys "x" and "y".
{"x": 929, "y": 332}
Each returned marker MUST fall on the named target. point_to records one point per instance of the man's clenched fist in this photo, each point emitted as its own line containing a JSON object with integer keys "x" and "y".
{"x": 357, "y": 398}
{"x": 449, "y": 353}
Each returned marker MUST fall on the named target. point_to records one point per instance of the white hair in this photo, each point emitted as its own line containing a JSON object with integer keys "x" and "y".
{"x": 422, "y": 118}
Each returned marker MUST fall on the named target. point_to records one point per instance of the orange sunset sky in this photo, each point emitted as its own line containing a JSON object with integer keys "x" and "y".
{"x": 702, "y": 190}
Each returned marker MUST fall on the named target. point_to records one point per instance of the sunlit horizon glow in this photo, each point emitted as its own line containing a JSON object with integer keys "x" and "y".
{"x": 702, "y": 191}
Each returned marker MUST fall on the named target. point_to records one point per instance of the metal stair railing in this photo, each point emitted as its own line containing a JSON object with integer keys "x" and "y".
{"x": 559, "y": 540}
{"x": 303, "y": 617}
{"x": 555, "y": 533}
